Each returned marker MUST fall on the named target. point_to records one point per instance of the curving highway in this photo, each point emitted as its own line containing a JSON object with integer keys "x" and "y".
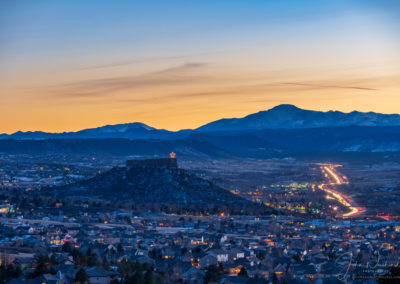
{"x": 340, "y": 197}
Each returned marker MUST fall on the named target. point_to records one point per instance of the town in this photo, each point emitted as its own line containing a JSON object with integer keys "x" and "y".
{"x": 200, "y": 142}
{"x": 314, "y": 234}
{"x": 189, "y": 249}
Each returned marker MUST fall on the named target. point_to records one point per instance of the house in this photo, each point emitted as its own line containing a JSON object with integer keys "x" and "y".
{"x": 99, "y": 275}
{"x": 59, "y": 278}
{"x": 235, "y": 254}
{"x": 208, "y": 260}
{"x": 235, "y": 280}
{"x": 25, "y": 262}
{"x": 45, "y": 278}
{"x": 306, "y": 270}
{"x": 193, "y": 274}
{"x": 233, "y": 268}
{"x": 37, "y": 280}
{"x": 143, "y": 259}
{"x": 221, "y": 255}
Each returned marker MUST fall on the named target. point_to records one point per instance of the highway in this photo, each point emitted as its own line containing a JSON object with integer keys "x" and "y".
{"x": 340, "y": 197}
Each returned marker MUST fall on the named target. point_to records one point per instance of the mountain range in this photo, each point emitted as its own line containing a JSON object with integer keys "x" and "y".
{"x": 279, "y": 117}
{"x": 283, "y": 131}
{"x": 268, "y": 143}
{"x": 135, "y": 130}
{"x": 291, "y": 117}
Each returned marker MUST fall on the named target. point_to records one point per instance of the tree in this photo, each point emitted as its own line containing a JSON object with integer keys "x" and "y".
{"x": 213, "y": 274}
{"x": 120, "y": 249}
{"x": 155, "y": 254}
{"x": 81, "y": 276}
{"x": 274, "y": 278}
{"x": 93, "y": 260}
{"x": 17, "y": 271}
{"x": 106, "y": 264}
{"x": 79, "y": 257}
{"x": 261, "y": 255}
{"x": 41, "y": 267}
{"x": 66, "y": 247}
{"x": 243, "y": 272}
{"x": 138, "y": 278}
{"x": 149, "y": 277}
{"x": 9, "y": 272}
{"x": 53, "y": 259}
{"x": 296, "y": 258}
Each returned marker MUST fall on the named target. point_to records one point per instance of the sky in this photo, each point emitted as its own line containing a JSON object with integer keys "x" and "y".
{"x": 70, "y": 65}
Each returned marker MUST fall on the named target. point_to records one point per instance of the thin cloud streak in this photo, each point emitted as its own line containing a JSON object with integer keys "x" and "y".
{"x": 329, "y": 86}
{"x": 145, "y": 60}
{"x": 191, "y": 82}
{"x": 105, "y": 86}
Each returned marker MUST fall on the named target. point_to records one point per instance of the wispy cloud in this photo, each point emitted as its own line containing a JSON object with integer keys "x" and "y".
{"x": 145, "y": 60}
{"x": 180, "y": 74}
{"x": 322, "y": 86}
{"x": 199, "y": 81}
{"x": 273, "y": 88}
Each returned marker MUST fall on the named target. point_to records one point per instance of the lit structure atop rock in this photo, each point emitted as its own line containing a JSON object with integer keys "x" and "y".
{"x": 170, "y": 163}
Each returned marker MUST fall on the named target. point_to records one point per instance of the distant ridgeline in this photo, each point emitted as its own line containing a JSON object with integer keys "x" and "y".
{"x": 169, "y": 163}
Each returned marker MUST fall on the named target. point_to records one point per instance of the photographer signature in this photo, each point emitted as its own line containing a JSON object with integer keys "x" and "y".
{"x": 346, "y": 261}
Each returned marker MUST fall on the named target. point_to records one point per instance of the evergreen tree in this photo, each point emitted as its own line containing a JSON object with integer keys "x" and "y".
{"x": 41, "y": 267}
{"x": 66, "y": 247}
{"x": 81, "y": 276}
{"x": 149, "y": 277}
{"x": 213, "y": 274}
{"x": 53, "y": 259}
{"x": 120, "y": 249}
{"x": 243, "y": 272}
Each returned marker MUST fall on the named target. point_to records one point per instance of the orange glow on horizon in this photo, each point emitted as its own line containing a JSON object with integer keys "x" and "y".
{"x": 88, "y": 70}
{"x": 180, "y": 113}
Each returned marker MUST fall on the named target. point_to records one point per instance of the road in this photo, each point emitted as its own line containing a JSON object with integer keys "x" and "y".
{"x": 338, "y": 196}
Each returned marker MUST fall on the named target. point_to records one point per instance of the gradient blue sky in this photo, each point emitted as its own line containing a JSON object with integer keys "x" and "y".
{"x": 68, "y": 65}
